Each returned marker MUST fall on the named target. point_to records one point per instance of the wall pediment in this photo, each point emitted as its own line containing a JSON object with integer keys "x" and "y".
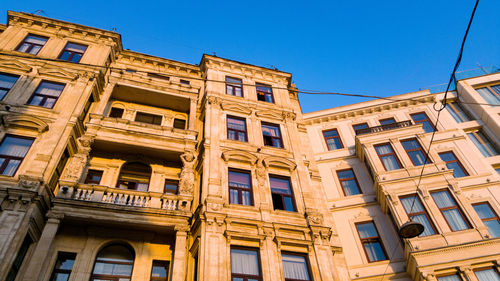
{"x": 14, "y": 64}
{"x": 279, "y": 162}
{"x": 236, "y": 108}
{"x": 239, "y": 156}
{"x": 25, "y": 122}
{"x": 57, "y": 72}
{"x": 271, "y": 114}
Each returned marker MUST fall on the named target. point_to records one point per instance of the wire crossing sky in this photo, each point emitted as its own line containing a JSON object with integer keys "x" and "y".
{"x": 379, "y": 48}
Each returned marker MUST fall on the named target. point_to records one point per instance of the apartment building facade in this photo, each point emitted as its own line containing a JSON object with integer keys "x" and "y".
{"x": 118, "y": 165}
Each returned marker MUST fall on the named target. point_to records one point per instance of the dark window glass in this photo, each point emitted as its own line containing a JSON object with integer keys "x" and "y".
{"x": 236, "y": 128}
{"x": 498, "y": 170}
{"x": 159, "y": 272}
{"x": 332, "y": 139}
{"x": 387, "y": 121}
{"x": 245, "y": 264}
{"x": 63, "y": 267}
{"x": 370, "y": 239}
{"x": 234, "y": 86}
{"x": 489, "y": 218}
{"x": 148, "y": 118}
{"x": 360, "y": 126}
{"x": 388, "y": 157}
{"x": 18, "y": 261}
{"x": 264, "y": 92}
{"x": 46, "y": 94}
{"x": 422, "y": 118}
{"x": 282, "y": 194}
{"x": 13, "y": 149}
{"x": 448, "y": 207}
{"x": 483, "y": 143}
{"x": 240, "y": 188}
{"x": 272, "y": 135}
{"x": 491, "y": 94}
{"x": 458, "y": 112}
{"x": 295, "y": 267}
{"x": 487, "y": 274}
{"x": 348, "y": 182}
{"x": 179, "y": 123}
{"x": 59, "y": 169}
{"x": 135, "y": 176}
{"x": 113, "y": 263}
{"x": 73, "y": 52}
{"x": 452, "y": 163}
{"x": 154, "y": 75}
{"x": 185, "y": 82}
{"x": 32, "y": 44}
{"x": 415, "y": 152}
{"x": 171, "y": 186}
{"x": 116, "y": 112}
{"x": 416, "y": 212}
{"x": 93, "y": 177}
{"x": 6, "y": 83}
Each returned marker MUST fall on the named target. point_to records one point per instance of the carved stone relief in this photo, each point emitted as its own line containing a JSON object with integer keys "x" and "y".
{"x": 187, "y": 174}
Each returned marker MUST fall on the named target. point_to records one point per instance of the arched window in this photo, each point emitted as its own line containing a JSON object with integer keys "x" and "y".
{"x": 134, "y": 175}
{"x": 113, "y": 263}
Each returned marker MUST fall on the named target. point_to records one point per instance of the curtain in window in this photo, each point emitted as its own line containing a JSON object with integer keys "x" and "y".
{"x": 16, "y": 147}
{"x": 270, "y": 131}
{"x": 244, "y": 262}
{"x": 453, "y": 277}
{"x": 390, "y": 162}
{"x": 488, "y": 96}
{"x": 280, "y": 185}
{"x": 50, "y": 89}
{"x": 444, "y": 200}
{"x": 295, "y": 267}
{"x": 350, "y": 187}
{"x": 482, "y": 144}
{"x": 408, "y": 202}
{"x": 487, "y": 275}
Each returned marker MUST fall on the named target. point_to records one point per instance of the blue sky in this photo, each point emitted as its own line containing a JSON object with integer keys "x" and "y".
{"x": 362, "y": 47}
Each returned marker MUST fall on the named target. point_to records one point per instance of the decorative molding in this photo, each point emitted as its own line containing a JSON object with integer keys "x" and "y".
{"x": 14, "y": 63}
{"x": 25, "y": 121}
{"x": 239, "y": 155}
{"x": 236, "y": 108}
{"x": 271, "y": 114}
{"x": 279, "y": 162}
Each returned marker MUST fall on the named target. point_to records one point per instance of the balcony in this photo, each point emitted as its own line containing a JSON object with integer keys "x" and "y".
{"x": 382, "y": 128}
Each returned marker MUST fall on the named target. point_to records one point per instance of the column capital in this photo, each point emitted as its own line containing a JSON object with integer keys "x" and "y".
{"x": 181, "y": 229}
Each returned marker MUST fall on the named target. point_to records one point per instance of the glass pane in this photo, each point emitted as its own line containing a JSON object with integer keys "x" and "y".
{"x": 487, "y": 275}
{"x": 288, "y": 204}
{"x": 449, "y": 278}
{"x": 65, "y": 55}
{"x": 76, "y": 57}
{"x": 493, "y": 228}
{"x": 280, "y": 185}
{"x": 417, "y": 157}
{"x": 412, "y": 205}
{"x": 331, "y": 133}
{"x": 244, "y": 262}
{"x": 488, "y": 96}
{"x": 2, "y": 93}
{"x": 245, "y": 195}
{"x": 50, "y": 89}
{"x": 11, "y": 168}
{"x": 23, "y": 47}
{"x": 233, "y": 80}
{"x": 49, "y": 103}
{"x": 233, "y": 196}
{"x": 61, "y": 277}
{"x": 35, "y": 40}
{"x": 374, "y": 251}
{"x": 367, "y": 230}
{"x": 390, "y": 163}
{"x": 428, "y": 230}
{"x": 443, "y": 199}
{"x": 345, "y": 174}
{"x": 7, "y": 81}
{"x": 350, "y": 187}
{"x": 458, "y": 172}
{"x": 295, "y": 267}
{"x": 239, "y": 179}
{"x": 35, "y": 50}
{"x": 14, "y": 146}
{"x": 484, "y": 211}
{"x": 334, "y": 143}
{"x": 271, "y": 130}
{"x": 75, "y": 47}
{"x": 455, "y": 220}
{"x": 387, "y": 121}
{"x": 236, "y": 124}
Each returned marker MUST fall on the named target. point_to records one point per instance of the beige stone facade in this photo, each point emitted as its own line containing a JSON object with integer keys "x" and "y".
{"x": 119, "y": 165}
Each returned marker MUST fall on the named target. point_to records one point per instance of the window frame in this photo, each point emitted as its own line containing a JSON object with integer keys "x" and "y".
{"x": 371, "y": 240}
{"x": 92, "y": 172}
{"x": 292, "y": 195}
{"x": 382, "y": 121}
{"x": 265, "y": 94}
{"x": 495, "y": 218}
{"x": 235, "y": 130}
{"x": 458, "y": 207}
{"x": 234, "y": 86}
{"x": 72, "y": 53}
{"x": 387, "y": 154}
{"x": 348, "y": 179}
{"x": 8, "y": 158}
{"x": 492, "y": 92}
{"x": 63, "y": 271}
{"x": 459, "y": 163}
{"x": 420, "y": 148}
{"x": 154, "y": 117}
{"x": 449, "y": 274}
{"x": 308, "y": 264}
{"x": 172, "y": 181}
{"x": 245, "y": 277}
{"x": 334, "y": 137}
{"x": 7, "y": 90}
{"x": 424, "y": 212}
{"x": 31, "y": 45}
{"x": 495, "y": 269}
{"x": 484, "y": 139}
{"x": 45, "y": 97}
{"x": 427, "y": 119}
{"x": 94, "y": 276}
{"x": 240, "y": 189}
{"x": 359, "y": 124}
{"x": 176, "y": 121}
{"x": 110, "y": 114}
{"x": 273, "y": 138}
{"x": 162, "y": 263}
{"x": 456, "y": 108}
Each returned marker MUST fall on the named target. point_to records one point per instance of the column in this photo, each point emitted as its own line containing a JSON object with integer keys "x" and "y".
{"x": 104, "y": 99}
{"x": 179, "y": 262}
{"x": 192, "y": 115}
{"x": 36, "y": 267}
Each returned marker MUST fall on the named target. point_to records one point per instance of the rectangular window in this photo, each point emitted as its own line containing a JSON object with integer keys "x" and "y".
{"x": 18, "y": 261}
{"x": 348, "y": 182}
{"x": 73, "y": 52}
{"x": 264, "y": 92}
{"x": 487, "y": 274}
{"x": 185, "y": 82}
{"x": 370, "y": 239}
{"x": 452, "y": 277}
{"x": 332, "y": 139}
{"x": 491, "y": 94}
{"x": 171, "y": 186}
{"x": 295, "y": 267}
{"x": 448, "y": 207}
{"x": 148, "y": 118}
{"x": 116, "y": 112}
{"x": 422, "y": 118}
{"x": 154, "y": 75}
{"x": 358, "y": 127}
{"x": 234, "y": 86}
{"x": 452, "y": 163}
{"x": 458, "y": 112}
{"x": 46, "y": 94}
{"x": 282, "y": 194}
{"x": 63, "y": 267}
{"x": 6, "y": 83}
{"x": 59, "y": 169}
{"x": 483, "y": 143}
{"x": 416, "y": 212}
{"x": 489, "y": 218}
{"x": 387, "y": 121}
{"x": 387, "y": 156}
{"x": 272, "y": 135}
{"x": 32, "y": 44}
{"x": 93, "y": 177}
{"x": 159, "y": 272}
{"x": 245, "y": 264}
{"x": 416, "y": 153}
{"x": 236, "y": 129}
{"x": 498, "y": 170}
{"x": 179, "y": 123}
{"x": 13, "y": 149}
{"x": 240, "y": 188}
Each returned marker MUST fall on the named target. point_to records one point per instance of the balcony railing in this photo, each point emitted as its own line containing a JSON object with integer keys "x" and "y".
{"x": 382, "y": 128}
{"x": 124, "y": 197}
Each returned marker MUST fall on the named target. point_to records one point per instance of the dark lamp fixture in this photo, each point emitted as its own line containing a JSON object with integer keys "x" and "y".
{"x": 411, "y": 229}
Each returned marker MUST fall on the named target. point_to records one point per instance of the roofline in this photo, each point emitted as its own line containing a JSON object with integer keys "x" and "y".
{"x": 205, "y": 55}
